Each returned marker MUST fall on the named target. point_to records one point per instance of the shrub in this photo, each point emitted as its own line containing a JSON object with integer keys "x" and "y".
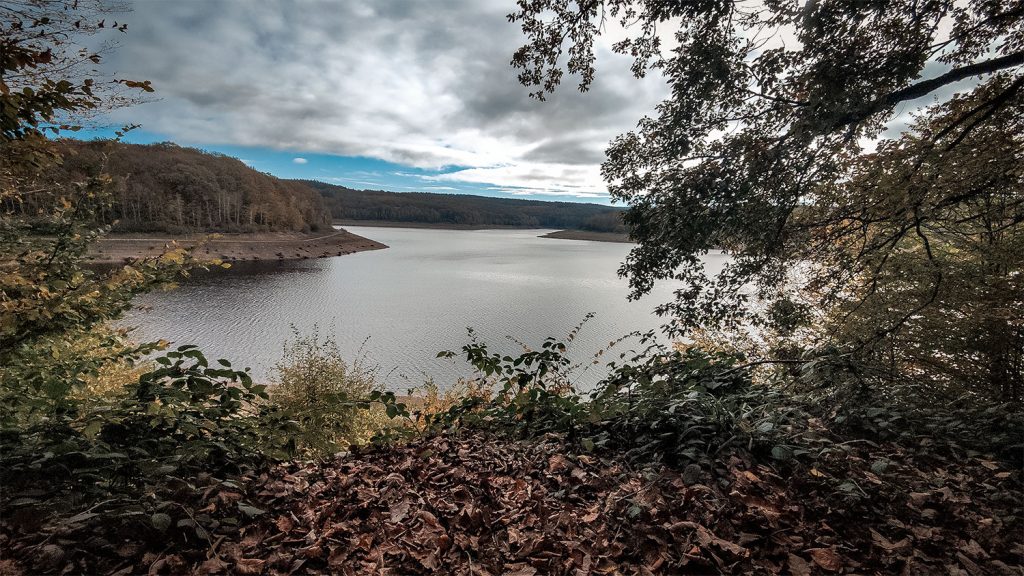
{"x": 127, "y": 455}
{"x": 336, "y": 404}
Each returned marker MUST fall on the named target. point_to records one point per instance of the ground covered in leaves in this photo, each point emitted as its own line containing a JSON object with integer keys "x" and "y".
{"x": 473, "y": 503}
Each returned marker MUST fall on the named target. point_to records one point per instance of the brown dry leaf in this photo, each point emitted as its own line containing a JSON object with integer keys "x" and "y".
{"x": 520, "y": 569}
{"x": 428, "y": 518}
{"x": 399, "y": 511}
{"x": 973, "y": 549}
{"x": 972, "y": 568}
{"x": 770, "y": 511}
{"x": 584, "y": 565}
{"x": 918, "y": 498}
{"x": 10, "y": 568}
{"x": 212, "y": 566}
{"x": 798, "y": 566}
{"x": 706, "y": 537}
{"x": 826, "y": 558}
{"x": 557, "y": 463}
{"x": 172, "y": 564}
{"x": 887, "y": 544}
{"x": 248, "y": 566}
{"x": 285, "y": 524}
{"x": 428, "y": 559}
{"x": 228, "y": 497}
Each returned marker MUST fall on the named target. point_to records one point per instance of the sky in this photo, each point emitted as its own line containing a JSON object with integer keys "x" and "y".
{"x": 394, "y": 95}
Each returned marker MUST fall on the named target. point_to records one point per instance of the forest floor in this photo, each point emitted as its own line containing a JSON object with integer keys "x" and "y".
{"x": 117, "y": 248}
{"x": 475, "y": 503}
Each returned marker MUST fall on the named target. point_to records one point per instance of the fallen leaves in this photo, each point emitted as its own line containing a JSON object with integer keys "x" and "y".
{"x": 476, "y": 504}
{"x": 826, "y": 558}
{"x": 797, "y": 565}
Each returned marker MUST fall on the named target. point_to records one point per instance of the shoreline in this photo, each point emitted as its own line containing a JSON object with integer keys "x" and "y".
{"x": 431, "y": 225}
{"x": 259, "y": 246}
{"x": 282, "y": 246}
{"x": 589, "y": 236}
{"x": 568, "y": 234}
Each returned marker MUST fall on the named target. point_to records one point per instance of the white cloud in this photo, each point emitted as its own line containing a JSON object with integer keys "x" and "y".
{"x": 300, "y": 161}
{"x": 531, "y": 178}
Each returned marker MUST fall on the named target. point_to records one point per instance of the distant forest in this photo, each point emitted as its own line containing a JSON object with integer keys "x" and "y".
{"x": 169, "y": 188}
{"x": 348, "y": 204}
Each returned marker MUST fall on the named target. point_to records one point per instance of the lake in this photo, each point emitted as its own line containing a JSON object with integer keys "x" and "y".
{"x": 399, "y": 307}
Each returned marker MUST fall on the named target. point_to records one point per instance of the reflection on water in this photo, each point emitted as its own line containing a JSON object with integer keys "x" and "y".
{"x": 411, "y": 300}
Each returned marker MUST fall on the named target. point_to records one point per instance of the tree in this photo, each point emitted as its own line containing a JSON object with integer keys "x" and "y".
{"x": 917, "y": 258}
{"x": 52, "y": 309}
{"x": 47, "y": 76}
{"x": 771, "y": 107}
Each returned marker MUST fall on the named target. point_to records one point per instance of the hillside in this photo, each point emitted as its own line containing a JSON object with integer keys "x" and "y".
{"x": 168, "y": 188}
{"x": 178, "y": 190}
{"x": 463, "y": 209}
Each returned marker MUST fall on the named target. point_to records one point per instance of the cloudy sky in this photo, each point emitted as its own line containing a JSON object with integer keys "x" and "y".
{"x": 398, "y": 95}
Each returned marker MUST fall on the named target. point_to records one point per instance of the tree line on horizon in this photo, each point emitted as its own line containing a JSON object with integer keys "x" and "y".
{"x": 168, "y": 188}
{"x": 465, "y": 209}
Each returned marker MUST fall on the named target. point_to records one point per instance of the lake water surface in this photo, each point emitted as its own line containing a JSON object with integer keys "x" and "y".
{"x": 402, "y": 305}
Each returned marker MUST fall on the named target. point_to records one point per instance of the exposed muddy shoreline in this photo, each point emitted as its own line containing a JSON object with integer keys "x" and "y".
{"x": 117, "y": 248}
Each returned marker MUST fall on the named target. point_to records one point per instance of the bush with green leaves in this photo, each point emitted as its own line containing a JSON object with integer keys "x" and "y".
{"x": 534, "y": 392}
{"x": 135, "y": 452}
{"x": 335, "y": 404}
{"x": 688, "y": 404}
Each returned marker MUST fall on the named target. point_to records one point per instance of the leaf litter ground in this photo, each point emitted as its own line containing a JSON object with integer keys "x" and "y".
{"x": 474, "y": 503}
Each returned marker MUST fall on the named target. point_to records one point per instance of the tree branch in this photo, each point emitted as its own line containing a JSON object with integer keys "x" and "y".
{"x": 924, "y": 87}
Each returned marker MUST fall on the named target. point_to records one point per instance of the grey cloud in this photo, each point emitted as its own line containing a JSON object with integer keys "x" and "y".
{"x": 567, "y": 151}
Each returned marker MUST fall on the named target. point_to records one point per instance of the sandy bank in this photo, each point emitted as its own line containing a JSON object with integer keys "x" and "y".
{"x": 235, "y": 247}
{"x": 430, "y": 225}
{"x": 560, "y": 234}
{"x": 588, "y": 235}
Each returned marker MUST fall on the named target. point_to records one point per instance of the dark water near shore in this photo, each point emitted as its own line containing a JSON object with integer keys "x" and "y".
{"x": 402, "y": 305}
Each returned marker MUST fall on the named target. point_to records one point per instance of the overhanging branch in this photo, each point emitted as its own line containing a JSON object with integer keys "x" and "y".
{"x": 925, "y": 87}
